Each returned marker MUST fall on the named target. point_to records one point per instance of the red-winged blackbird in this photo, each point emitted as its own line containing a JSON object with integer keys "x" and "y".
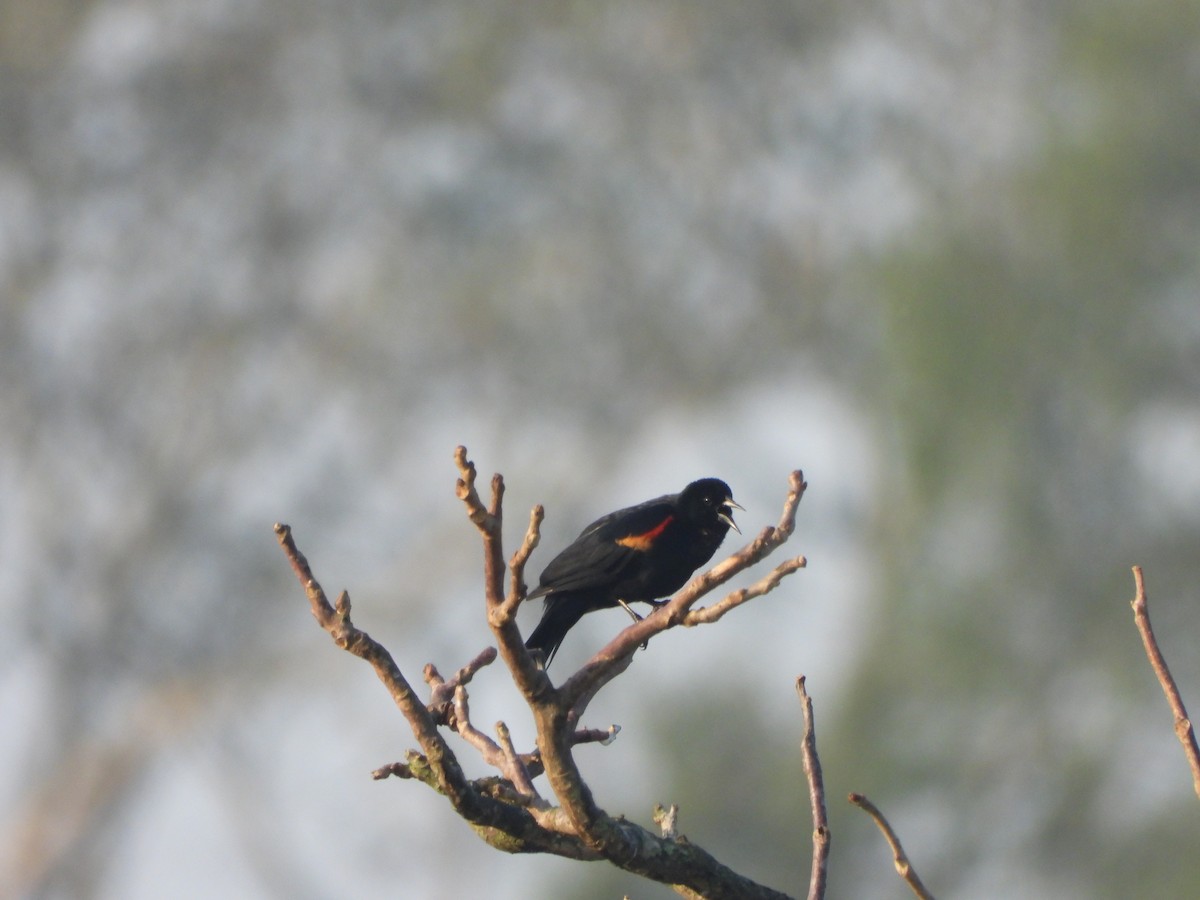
{"x": 638, "y": 554}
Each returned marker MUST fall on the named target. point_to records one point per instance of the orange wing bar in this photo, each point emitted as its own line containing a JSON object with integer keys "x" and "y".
{"x": 645, "y": 540}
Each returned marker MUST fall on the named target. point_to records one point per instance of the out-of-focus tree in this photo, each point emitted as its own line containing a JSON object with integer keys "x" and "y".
{"x": 272, "y": 260}
{"x": 1040, "y": 341}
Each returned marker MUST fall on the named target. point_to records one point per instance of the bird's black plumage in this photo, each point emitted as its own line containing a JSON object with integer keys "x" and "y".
{"x": 638, "y": 554}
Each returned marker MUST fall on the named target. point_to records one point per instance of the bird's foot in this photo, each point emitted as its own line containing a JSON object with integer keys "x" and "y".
{"x": 636, "y": 617}
{"x": 629, "y": 609}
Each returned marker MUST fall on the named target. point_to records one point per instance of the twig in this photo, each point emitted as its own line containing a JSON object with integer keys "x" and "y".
{"x": 1183, "y": 725}
{"x": 515, "y": 766}
{"x": 765, "y": 585}
{"x": 501, "y": 613}
{"x": 336, "y": 621}
{"x": 321, "y": 610}
{"x": 488, "y": 749}
{"x": 441, "y": 695}
{"x": 601, "y": 736}
{"x": 396, "y": 769}
{"x": 816, "y": 792}
{"x": 484, "y": 519}
{"x": 516, "y": 565}
{"x": 903, "y": 866}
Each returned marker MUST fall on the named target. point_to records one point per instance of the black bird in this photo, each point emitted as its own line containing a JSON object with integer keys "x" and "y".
{"x": 638, "y": 554}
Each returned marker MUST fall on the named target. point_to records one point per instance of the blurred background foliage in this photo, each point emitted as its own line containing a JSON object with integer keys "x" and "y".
{"x": 266, "y": 260}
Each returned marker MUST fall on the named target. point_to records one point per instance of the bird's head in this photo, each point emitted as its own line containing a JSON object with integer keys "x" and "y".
{"x": 709, "y": 501}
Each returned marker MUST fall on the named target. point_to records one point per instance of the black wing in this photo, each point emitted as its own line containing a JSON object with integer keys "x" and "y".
{"x": 605, "y": 550}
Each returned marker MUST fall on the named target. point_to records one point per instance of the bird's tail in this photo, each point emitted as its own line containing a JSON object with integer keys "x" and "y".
{"x": 557, "y": 620}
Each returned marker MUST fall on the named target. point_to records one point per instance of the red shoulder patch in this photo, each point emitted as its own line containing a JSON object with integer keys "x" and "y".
{"x": 645, "y": 540}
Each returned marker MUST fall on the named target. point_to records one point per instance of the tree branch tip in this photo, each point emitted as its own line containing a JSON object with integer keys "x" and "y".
{"x": 900, "y": 860}
{"x": 486, "y": 657}
{"x": 466, "y": 468}
{"x": 281, "y": 529}
{"x": 1158, "y": 663}
{"x": 397, "y": 769}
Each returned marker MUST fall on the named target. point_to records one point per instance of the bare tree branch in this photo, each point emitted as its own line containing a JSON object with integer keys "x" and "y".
{"x": 767, "y": 584}
{"x": 816, "y": 792}
{"x": 488, "y": 749}
{"x": 507, "y": 810}
{"x": 336, "y": 621}
{"x": 515, "y": 767}
{"x": 516, "y": 565}
{"x": 502, "y": 824}
{"x": 903, "y": 866}
{"x": 603, "y": 736}
{"x": 529, "y": 678}
{"x": 1183, "y": 725}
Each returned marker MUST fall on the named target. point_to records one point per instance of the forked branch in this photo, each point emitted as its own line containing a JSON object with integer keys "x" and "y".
{"x": 507, "y": 809}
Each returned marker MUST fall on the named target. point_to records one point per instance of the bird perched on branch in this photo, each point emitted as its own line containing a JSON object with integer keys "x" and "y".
{"x": 634, "y": 555}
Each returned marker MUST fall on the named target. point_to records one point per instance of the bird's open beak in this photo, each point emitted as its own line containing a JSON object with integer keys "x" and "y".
{"x": 726, "y": 513}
